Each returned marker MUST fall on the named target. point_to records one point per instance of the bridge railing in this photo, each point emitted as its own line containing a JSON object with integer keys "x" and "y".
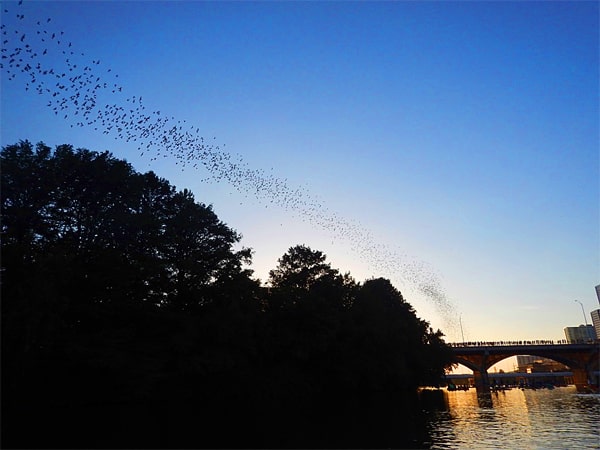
{"x": 513, "y": 343}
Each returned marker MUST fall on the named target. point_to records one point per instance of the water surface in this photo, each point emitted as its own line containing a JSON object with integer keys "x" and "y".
{"x": 557, "y": 418}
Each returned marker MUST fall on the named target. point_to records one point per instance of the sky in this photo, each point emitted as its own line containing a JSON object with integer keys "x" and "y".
{"x": 451, "y": 147}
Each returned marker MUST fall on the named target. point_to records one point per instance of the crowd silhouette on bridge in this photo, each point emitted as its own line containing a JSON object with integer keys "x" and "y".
{"x": 509, "y": 343}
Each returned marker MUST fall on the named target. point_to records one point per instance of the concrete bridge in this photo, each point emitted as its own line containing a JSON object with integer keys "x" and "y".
{"x": 583, "y": 359}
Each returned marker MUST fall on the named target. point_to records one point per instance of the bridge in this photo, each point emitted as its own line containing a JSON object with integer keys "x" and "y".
{"x": 582, "y": 358}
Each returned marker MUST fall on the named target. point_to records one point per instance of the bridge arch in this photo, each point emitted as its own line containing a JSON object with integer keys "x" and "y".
{"x": 468, "y": 364}
{"x": 473, "y": 363}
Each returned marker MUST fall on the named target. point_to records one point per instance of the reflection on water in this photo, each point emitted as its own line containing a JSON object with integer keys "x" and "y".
{"x": 518, "y": 419}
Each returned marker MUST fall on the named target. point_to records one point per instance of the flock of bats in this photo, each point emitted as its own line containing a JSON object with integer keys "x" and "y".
{"x": 86, "y": 93}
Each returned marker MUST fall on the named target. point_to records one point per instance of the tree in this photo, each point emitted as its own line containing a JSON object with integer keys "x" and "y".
{"x": 300, "y": 268}
{"x": 123, "y": 235}
{"x": 399, "y": 346}
{"x": 119, "y": 289}
{"x": 101, "y": 268}
{"x": 299, "y": 271}
{"x": 308, "y": 299}
{"x": 198, "y": 248}
{"x": 25, "y": 194}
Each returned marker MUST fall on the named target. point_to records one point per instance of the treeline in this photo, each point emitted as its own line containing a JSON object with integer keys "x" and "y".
{"x": 129, "y": 321}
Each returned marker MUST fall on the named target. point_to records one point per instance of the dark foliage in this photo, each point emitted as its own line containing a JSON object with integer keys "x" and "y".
{"x": 129, "y": 321}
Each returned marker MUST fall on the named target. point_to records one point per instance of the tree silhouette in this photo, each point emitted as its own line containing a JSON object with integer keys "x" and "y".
{"x": 97, "y": 260}
{"x": 129, "y": 320}
{"x": 300, "y": 268}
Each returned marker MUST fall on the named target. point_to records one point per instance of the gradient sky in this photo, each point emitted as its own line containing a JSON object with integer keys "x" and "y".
{"x": 455, "y": 143}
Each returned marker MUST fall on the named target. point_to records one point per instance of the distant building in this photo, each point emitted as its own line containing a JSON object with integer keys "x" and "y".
{"x": 580, "y": 334}
{"x": 596, "y": 321}
{"x": 598, "y": 292}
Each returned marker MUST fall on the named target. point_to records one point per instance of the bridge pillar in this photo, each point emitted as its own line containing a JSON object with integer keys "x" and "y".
{"x": 482, "y": 381}
{"x": 580, "y": 378}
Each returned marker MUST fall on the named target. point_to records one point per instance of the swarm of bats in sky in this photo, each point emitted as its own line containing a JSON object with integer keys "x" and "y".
{"x": 86, "y": 93}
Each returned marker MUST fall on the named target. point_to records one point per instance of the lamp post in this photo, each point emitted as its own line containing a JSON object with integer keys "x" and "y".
{"x": 583, "y": 311}
{"x": 461, "y": 329}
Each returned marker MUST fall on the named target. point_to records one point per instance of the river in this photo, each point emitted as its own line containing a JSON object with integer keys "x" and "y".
{"x": 545, "y": 419}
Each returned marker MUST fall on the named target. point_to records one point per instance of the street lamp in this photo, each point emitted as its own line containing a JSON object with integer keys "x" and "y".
{"x": 583, "y": 311}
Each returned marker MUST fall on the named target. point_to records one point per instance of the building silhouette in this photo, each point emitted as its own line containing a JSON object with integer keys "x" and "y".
{"x": 580, "y": 334}
{"x": 596, "y": 321}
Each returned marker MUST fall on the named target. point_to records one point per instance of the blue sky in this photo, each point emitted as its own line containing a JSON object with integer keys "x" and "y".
{"x": 454, "y": 144}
